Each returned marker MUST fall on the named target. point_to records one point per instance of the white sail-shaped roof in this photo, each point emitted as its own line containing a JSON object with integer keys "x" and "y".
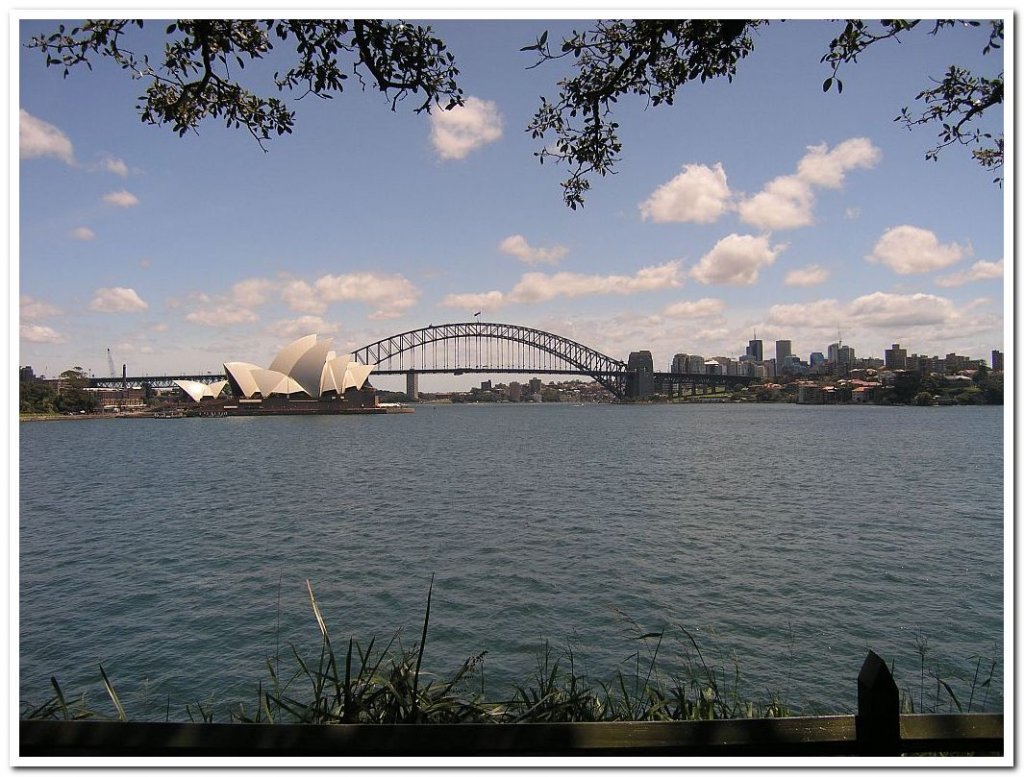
{"x": 306, "y": 366}
{"x": 241, "y": 373}
{"x": 290, "y": 354}
{"x": 198, "y": 390}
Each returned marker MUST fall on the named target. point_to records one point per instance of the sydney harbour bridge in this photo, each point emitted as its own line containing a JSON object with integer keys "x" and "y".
{"x": 492, "y": 348}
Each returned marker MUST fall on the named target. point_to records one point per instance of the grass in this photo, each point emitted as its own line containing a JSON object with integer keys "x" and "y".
{"x": 388, "y": 684}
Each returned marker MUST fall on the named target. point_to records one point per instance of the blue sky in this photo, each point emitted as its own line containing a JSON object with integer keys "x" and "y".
{"x": 763, "y": 205}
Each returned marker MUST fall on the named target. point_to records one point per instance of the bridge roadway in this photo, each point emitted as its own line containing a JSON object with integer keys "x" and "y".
{"x": 489, "y": 348}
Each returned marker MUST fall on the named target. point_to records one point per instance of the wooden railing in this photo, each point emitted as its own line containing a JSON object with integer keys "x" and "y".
{"x": 876, "y": 730}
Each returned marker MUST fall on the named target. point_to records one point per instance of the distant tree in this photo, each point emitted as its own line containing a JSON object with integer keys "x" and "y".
{"x": 923, "y": 399}
{"x": 648, "y": 58}
{"x": 72, "y": 396}
{"x": 905, "y": 387}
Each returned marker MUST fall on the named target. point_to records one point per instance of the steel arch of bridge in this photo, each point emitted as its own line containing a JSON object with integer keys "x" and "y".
{"x": 460, "y": 343}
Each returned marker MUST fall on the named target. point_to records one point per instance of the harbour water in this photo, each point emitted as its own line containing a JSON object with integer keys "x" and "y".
{"x": 788, "y": 540}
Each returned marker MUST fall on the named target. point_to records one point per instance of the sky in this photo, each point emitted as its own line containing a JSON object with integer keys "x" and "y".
{"x": 762, "y": 207}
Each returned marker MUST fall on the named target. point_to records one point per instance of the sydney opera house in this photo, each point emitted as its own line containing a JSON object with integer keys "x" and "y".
{"x": 306, "y": 376}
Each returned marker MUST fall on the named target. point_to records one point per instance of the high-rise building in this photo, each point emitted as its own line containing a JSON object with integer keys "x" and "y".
{"x": 997, "y": 361}
{"x": 816, "y": 358}
{"x": 412, "y": 386}
{"x": 679, "y": 363}
{"x": 755, "y": 350}
{"x": 896, "y": 357}
{"x": 783, "y": 348}
{"x": 695, "y": 365}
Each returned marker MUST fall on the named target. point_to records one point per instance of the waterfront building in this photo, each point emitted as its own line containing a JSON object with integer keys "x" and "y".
{"x": 712, "y": 367}
{"x": 695, "y": 365}
{"x": 200, "y": 391}
{"x": 755, "y": 350}
{"x": 783, "y": 349}
{"x": 997, "y": 361}
{"x": 412, "y": 386}
{"x": 515, "y": 391}
{"x": 896, "y": 357}
{"x": 679, "y": 363}
{"x": 535, "y": 386}
{"x": 306, "y": 376}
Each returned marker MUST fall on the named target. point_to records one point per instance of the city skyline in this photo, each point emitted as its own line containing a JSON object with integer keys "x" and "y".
{"x": 765, "y": 204}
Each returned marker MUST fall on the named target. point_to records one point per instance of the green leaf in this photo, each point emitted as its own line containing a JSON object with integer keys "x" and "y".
{"x": 827, "y": 85}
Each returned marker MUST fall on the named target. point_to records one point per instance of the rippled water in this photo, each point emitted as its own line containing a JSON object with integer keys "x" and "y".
{"x": 788, "y": 540}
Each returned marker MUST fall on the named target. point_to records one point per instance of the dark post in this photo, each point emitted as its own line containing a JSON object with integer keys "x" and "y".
{"x": 878, "y": 709}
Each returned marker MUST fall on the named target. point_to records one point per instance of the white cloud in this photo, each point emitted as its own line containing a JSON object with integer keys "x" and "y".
{"x": 117, "y": 300}
{"x": 695, "y": 309}
{"x": 880, "y": 310}
{"x": 221, "y": 315}
{"x": 304, "y": 325}
{"x": 35, "y": 333}
{"x": 812, "y": 275}
{"x": 465, "y": 128}
{"x": 122, "y": 199}
{"x": 488, "y": 300}
{"x": 821, "y": 167}
{"x": 540, "y": 287}
{"x": 38, "y": 138}
{"x": 391, "y": 295}
{"x": 979, "y": 271}
{"x": 785, "y": 203}
{"x": 251, "y": 292}
{"x": 516, "y": 245}
{"x": 114, "y": 165}
{"x": 83, "y": 233}
{"x": 699, "y": 194}
{"x": 907, "y": 249}
{"x": 736, "y": 260}
{"x": 32, "y": 309}
{"x": 534, "y": 287}
{"x": 885, "y": 311}
{"x": 824, "y": 314}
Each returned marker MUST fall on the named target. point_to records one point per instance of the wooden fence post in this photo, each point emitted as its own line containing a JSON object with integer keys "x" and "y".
{"x": 878, "y": 709}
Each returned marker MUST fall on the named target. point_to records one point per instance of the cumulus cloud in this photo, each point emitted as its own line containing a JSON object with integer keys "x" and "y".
{"x": 391, "y": 295}
{"x": 117, "y": 300}
{"x": 251, "y": 292}
{"x": 83, "y": 233}
{"x": 122, "y": 199}
{"x": 488, "y": 300}
{"x": 979, "y": 271}
{"x": 699, "y": 194}
{"x": 304, "y": 325}
{"x": 907, "y": 250}
{"x": 885, "y": 310}
{"x": 695, "y": 309}
{"x": 221, "y": 315}
{"x": 821, "y": 167}
{"x": 38, "y": 138}
{"x": 812, "y": 275}
{"x": 33, "y": 309}
{"x": 736, "y": 260}
{"x": 540, "y": 287}
{"x": 880, "y": 310}
{"x": 114, "y": 165}
{"x": 516, "y": 245}
{"x": 819, "y": 314}
{"x": 534, "y": 287}
{"x": 465, "y": 128}
{"x": 787, "y": 202}
{"x": 35, "y": 333}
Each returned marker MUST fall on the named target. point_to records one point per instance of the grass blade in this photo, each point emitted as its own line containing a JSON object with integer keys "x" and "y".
{"x": 113, "y": 696}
